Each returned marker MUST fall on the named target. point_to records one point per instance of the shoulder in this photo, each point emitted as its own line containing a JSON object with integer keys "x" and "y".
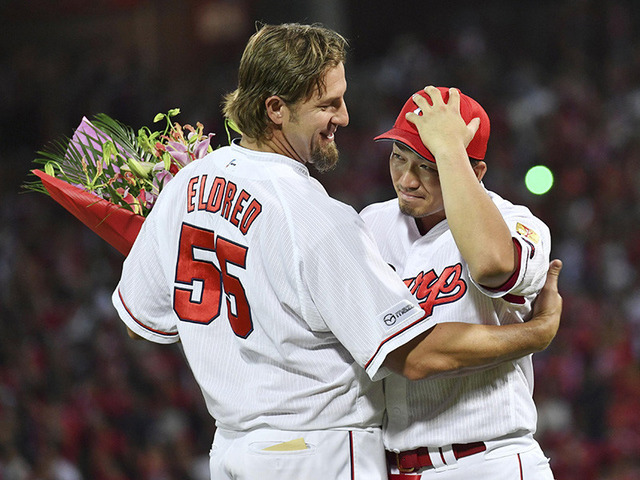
{"x": 521, "y": 220}
{"x": 304, "y": 195}
{"x": 508, "y": 208}
{"x": 382, "y": 215}
{"x": 317, "y": 207}
{"x": 387, "y": 209}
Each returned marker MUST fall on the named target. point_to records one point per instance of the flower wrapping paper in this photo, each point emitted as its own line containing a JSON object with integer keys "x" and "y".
{"x": 117, "y": 226}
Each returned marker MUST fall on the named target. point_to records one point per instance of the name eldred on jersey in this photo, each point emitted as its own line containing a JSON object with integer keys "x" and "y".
{"x": 219, "y": 196}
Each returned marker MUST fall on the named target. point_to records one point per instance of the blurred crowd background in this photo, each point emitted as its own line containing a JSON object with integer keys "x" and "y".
{"x": 560, "y": 81}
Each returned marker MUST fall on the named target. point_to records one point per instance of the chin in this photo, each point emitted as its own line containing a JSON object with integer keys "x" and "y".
{"x": 413, "y": 211}
{"x": 325, "y": 158}
{"x": 406, "y": 209}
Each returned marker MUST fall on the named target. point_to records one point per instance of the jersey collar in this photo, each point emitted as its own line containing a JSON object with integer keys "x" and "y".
{"x": 270, "y": 157}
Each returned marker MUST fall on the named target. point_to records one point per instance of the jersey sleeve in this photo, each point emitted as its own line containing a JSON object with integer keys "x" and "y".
{"x": 355, "y": 293}
{"x": 143, "y": 295}
{"x": 532, "y": 241}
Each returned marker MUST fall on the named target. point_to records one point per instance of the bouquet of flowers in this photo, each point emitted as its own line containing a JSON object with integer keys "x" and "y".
{"x": 108, "y": 176}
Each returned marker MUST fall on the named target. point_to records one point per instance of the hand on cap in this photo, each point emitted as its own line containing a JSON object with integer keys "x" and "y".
{"x": 441, "y": 127}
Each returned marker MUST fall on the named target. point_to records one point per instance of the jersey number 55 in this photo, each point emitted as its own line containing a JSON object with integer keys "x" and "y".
{"x": 200, "y": 283}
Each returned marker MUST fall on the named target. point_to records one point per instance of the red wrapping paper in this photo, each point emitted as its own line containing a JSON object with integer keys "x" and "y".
{"x": 116, "y": 225}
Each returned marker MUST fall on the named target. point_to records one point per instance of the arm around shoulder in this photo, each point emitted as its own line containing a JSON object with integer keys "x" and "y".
{"x": 450, "y": 347}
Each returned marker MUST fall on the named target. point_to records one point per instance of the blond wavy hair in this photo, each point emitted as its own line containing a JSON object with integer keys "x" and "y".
{"x": 288, "y": 60}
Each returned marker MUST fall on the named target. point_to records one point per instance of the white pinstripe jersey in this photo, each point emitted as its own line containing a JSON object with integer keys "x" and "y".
{"x": 273, "y": 288}
{"x": 479, "y": 406}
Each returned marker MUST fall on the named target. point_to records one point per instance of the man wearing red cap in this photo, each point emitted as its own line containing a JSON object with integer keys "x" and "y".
{"x": 466, "y": 255}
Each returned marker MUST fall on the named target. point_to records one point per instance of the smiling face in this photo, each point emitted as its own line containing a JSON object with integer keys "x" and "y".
{"x": 417, "y": 185}
{"x": 309, "y": 126}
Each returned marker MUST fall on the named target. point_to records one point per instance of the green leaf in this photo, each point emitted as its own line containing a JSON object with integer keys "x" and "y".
{"x": 123, "y": 137}
{"x": 140, "y": 169}
{"x": 232, "y": 125}
{"x": 108, "y": 150}
{"x": 158, "y": 117}
{"x": 228, "y": 126}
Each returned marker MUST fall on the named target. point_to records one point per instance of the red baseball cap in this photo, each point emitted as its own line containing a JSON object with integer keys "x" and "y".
{"x": 406, "y": 132}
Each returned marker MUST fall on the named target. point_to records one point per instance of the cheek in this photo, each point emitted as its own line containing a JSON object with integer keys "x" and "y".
{"x": 395, "y": 173}
{"x": 431, "y": 182}
{"x": 300, "y": 137}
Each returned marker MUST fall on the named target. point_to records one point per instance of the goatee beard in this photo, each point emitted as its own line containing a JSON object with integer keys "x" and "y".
{"x": 409, "y": 211}
{"x": 324, "y": 159}
{"x": 404, "y": 209}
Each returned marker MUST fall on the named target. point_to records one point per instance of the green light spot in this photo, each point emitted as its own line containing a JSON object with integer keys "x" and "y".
{"x": 539, "y": 180}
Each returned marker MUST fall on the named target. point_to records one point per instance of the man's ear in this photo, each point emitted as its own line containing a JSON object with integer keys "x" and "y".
{"x": 480, "y": 169}
{"x": 275, "y": 109}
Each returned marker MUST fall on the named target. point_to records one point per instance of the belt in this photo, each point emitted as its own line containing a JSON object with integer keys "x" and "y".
{"x": 419, "y": 458}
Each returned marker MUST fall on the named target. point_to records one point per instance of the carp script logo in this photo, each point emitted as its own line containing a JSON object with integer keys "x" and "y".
{"x": 431, "y": 290}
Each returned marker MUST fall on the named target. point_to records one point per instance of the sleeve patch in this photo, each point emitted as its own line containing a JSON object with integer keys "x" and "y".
{"x": 527, "y": 233}
{"x": 395, "y": 315}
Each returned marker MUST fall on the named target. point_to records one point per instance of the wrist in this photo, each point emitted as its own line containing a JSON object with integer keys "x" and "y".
{"x": 451, "y": 153}
{"x": 543, "y": 331}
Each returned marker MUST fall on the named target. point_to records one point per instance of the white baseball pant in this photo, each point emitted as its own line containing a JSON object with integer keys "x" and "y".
{"x": 308, "y": 455}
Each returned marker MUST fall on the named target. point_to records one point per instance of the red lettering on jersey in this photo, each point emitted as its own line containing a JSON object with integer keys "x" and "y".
{"x": 250, "y": 215}
{"x": 431, "y": 290}
{"x": 242, "y": 197}
{"x": 191, "y": 193}
{"x": 201, "y": 204}
{"x": 419, "y": 280}
{"x": 222, "y": 198}
{"x": 229, "y": 193}
{"x": 215, "y": 195}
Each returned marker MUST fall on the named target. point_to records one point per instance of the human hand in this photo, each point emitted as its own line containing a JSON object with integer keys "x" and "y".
{"x": 441, "y": 127}
{"x": 547, "y": 307}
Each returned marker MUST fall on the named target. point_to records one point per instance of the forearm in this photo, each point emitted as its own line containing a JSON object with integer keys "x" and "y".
{"x": 452, "y": 347}
{"x": 477, "y": 226}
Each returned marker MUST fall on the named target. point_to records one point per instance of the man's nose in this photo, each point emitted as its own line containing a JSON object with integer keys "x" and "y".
{"x": 341, "y": 117}
{"x": 409, "y": 179}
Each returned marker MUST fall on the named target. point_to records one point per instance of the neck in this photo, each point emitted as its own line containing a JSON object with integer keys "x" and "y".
{"x": 425, "y": 224}
{"x": 275, "y": 143}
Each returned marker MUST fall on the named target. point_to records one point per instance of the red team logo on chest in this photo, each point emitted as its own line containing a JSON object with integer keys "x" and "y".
{"x": 431, "y": 290}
